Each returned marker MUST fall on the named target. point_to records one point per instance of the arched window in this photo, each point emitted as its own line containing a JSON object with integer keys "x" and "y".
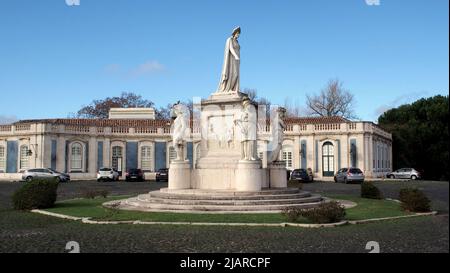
{"x": 172, "y": 154}
{"x": 328, "y": 159}
{"x": 76, "y": 160}
{"x": 287, "y": 157}
{"x": 24, "y": 162}
{"x": 2, "y": 159}
{"x": 147, "y": 158}
{"x": 117, "y": 158}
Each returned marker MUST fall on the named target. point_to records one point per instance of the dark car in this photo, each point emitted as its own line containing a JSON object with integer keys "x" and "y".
{"x": 301, "y": 175}
{"x": 162, "y": 175}
{"x": 134, "y": 175}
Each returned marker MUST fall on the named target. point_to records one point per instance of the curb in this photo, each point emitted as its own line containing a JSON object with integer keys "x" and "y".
{"x": 392, "y": 218}
{"x": 87, "y": 220}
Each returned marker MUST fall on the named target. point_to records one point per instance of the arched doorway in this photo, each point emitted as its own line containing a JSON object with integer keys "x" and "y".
{"x": 328, "y": 159}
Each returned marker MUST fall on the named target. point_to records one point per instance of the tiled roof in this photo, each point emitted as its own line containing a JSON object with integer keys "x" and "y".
{"x": 163, "y": 123}
{"x": 101, "y": 122}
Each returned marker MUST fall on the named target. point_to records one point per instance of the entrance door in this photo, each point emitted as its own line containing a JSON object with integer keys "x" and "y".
{"x": 117, "y": 159}
{"x": 328, "y": 159}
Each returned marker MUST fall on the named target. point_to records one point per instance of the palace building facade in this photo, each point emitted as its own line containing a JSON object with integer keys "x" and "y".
{"x": 133, "y": 138}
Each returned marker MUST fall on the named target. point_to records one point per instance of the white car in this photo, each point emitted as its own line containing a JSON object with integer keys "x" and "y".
{"x": 109, "y": 174}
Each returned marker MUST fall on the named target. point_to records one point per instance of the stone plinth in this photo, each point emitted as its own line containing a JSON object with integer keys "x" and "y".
{"x": 278, "y": 174}
{"x": 179, "y": 175}
{"x": 249, "y": 176}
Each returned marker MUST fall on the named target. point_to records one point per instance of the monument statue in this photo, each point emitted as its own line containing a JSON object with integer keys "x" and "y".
{"x": 247, "y": 124}
{"x": 180, "y": 129}
{"x": 229, "y": 80}
{"x": 219, "y": 169}
{"x": 277, "y": 127}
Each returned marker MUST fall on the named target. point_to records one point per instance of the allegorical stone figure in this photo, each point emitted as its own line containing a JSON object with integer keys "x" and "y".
{"x": 229, "y": 80}
{"x": 278, "y": 127}
{"x": 247, "y": 124}
{"x": 180, "y": 129}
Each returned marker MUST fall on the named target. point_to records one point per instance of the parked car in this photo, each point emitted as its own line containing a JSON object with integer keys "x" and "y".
{"x": 109, "y": 174}
{"x": 346, "y": 175}
{"x": 134, "y": 175}
{"x": 30, "y": 174}
{"x": 162, "y": 175}
{"x": 408, "y": 173}
{"x": 301, "y": 175}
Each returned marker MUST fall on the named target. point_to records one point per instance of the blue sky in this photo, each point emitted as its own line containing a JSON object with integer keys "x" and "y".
{"x": 55, "y": 58}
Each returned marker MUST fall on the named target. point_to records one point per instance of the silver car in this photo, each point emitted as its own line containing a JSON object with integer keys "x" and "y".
{"x": 30, "y": 174}
{"x": 406, "y": 173}
{"x": 346, "y": 175}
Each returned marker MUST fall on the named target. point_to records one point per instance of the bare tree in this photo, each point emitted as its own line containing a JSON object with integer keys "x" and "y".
{"x": 293, "y": 108}
{"x": 253, "y": 95}
{"x": 163, "y": 112}
{"x": 333, "y": 100}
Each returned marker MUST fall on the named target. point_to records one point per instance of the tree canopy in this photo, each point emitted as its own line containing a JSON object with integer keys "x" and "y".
{"x": 420, "y": 136}
{"x": 100, "y": 108}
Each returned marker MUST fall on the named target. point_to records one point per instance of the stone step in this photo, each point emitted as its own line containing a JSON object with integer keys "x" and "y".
{"x": 311, "y": 198}
{"x": 222, "y": 201}
{"x": 146, "y": 206}
{"x": 198, "y": 192}
{"x": 224, "y": 197}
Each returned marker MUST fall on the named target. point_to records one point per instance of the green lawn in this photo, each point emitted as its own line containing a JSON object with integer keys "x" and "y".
{"x": 367, "y": 208}
{"x": 371, "y": 208}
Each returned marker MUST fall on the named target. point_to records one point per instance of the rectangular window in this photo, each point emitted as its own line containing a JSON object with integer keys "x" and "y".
{"x": 24, "y": 164}
{"x": 146, "y": 158}
{"x": 287, "y": 157}
{"x": 2, "y": 159}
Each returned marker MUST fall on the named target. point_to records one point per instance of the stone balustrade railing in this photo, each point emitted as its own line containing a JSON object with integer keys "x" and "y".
{"x": 291, "y": 129}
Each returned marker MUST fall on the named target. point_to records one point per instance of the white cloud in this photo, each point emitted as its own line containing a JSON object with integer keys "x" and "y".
{"x": 147, "y": 68}
{"x": 402, "y": 99}
{"x": 7, "y": 119}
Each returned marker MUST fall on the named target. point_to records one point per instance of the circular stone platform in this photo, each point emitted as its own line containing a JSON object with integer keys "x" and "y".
{"x": 219, "y": 201}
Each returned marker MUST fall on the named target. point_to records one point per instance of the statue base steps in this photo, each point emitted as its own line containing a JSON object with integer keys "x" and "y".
{"x": 221, "y": 201}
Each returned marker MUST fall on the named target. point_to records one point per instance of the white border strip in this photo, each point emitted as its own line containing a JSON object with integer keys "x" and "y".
{"x": 87, "y": 220}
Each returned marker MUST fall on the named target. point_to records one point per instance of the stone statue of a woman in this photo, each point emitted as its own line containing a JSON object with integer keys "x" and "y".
{"x": 229, "y": 81}
{"x": 247, "y": 124}
{"x": 277, "y": 127}
{"x": 180, "y": 129}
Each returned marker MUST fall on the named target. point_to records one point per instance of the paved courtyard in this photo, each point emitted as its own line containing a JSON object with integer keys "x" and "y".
{"x": 27, "y": 232}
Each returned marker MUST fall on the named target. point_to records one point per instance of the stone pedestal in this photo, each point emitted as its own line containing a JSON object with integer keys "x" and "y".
{"x": 179, "y": 175}
{"x": 248, "y": 176}
{"x": 278, "y": 176}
